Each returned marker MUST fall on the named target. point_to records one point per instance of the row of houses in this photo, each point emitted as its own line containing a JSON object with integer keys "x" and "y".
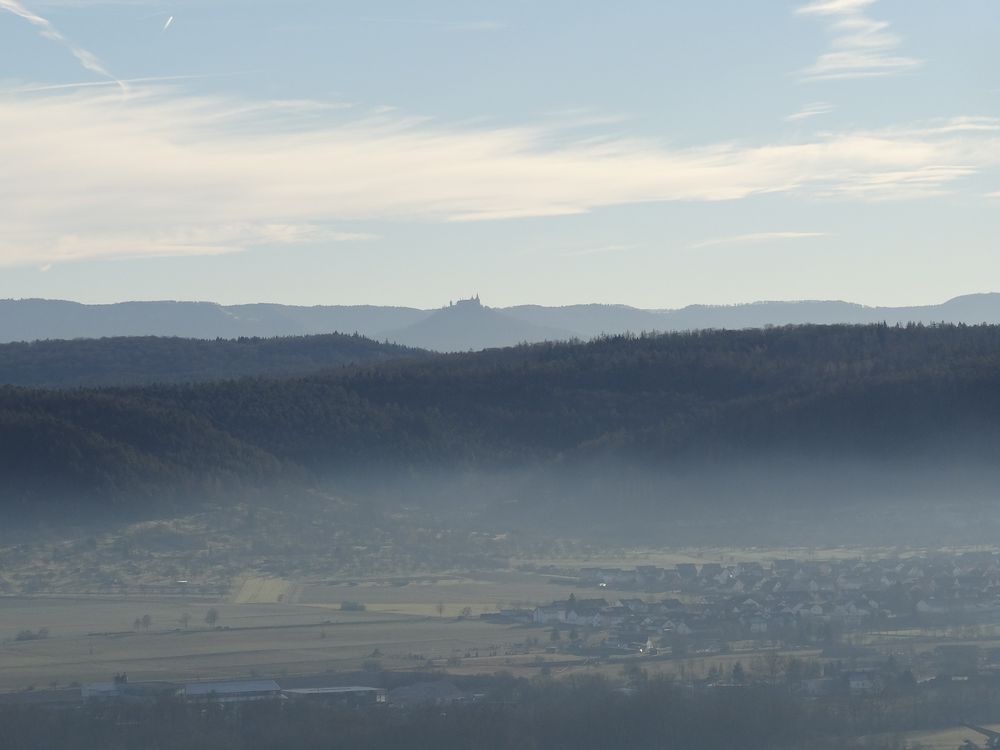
{"x": 737, "y": 617}
{"x": 791, "y": 601}
{"x": 938, "y": 575}
{"x": 849, "y": 592}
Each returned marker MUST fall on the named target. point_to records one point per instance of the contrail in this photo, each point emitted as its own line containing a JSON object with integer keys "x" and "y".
{"x": 169, "y": 23}
{"x": 87, "y": 59}
{"x": 92, "y": 84}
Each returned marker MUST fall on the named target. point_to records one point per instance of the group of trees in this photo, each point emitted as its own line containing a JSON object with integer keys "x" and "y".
{"x": 675, "y": 399}
{"x": 146, "y": 621}
{"x": 154, "y": 359}
{"x": 26, "y": 634}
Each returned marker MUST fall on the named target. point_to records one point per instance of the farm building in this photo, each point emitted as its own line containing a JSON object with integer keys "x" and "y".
{"x": 123, "y": 691}
{"x": 352, "y": 696}
{"x": 232, "y": 692}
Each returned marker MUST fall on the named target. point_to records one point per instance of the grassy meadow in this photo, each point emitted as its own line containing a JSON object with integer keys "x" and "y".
{"x": 271, "y": 626}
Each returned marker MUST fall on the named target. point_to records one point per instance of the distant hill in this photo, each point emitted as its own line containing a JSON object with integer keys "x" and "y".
{"x": 587, "y": 321}
{"x": 34, "y": 319}
{"x": 675, "y": 405}
{"x": 289, "y": 320}
{"x": 150, "y": 359}
{"x": 468, "y": 325}
{"x": 454, "y": 328}
{"x": 972, "y": 309}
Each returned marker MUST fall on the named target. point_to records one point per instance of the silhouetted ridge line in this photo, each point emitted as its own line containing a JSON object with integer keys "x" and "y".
{"x": 458, "y": 327}
{"x": 668, "y": 402}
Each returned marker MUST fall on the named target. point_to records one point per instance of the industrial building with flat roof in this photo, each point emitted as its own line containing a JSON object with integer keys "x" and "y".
{"x": 227, "y": 692}
{"x": 353, "y": 695}
{"x": 232, "y": 692}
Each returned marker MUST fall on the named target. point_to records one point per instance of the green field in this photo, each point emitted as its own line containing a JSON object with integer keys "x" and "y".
{"x": 271, "y": 626}
{"x": 91, "y": 639}
{"x": 481, "y": 592}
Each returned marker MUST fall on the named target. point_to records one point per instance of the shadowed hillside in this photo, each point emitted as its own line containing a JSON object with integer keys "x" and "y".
{"x": 671, "y": 405}
{"x": 136, "y": 361}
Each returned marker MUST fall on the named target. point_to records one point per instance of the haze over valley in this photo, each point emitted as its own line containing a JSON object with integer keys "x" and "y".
{"x": 713, "y": 430}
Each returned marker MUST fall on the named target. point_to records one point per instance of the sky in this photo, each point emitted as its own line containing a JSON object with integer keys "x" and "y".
{"x": 655, "y": 153}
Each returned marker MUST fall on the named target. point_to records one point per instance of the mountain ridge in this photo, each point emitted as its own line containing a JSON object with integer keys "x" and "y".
{"x": 145, "y": 360}
{"x": 443, "y": 329}
{"x": 469, "y": 325}
{"x": 679, "y": 405}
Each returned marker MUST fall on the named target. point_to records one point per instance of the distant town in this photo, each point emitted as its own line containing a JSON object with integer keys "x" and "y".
{"x": 784, "y": 600}
{"x": 858, "y": 611}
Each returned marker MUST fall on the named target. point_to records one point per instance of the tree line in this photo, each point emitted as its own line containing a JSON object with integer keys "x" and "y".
{"x": 575, "y": 714}
{"x": 654, "y": 400}
{"x": 139, "y": 360}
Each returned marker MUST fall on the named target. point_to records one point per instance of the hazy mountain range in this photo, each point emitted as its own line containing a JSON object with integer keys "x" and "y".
{"x": 457, "y": 327}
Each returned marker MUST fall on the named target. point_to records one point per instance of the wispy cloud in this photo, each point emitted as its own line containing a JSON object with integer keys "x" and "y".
{"x": 924, "y": 182}
{"x": 164, "y": 173}
{"x": 34, "y": 89}
{"x": 861, "y": 46}
{"x": 756, "y": 238}
{"x": 960, "y": 125}
{"x": 87, "y": 59}
{"x": 815, "y": 109}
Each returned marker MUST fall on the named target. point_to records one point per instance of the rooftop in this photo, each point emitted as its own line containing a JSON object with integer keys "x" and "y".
{"x": 232, "y": 688}
{"x": 332, "y": 690}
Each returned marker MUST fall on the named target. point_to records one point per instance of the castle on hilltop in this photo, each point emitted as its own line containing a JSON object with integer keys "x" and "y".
{"x": 471, "y": 302}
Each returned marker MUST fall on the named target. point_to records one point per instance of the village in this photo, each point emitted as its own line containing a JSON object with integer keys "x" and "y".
{"x": 882, "y": 639}
{"x": 932, "y": 615}
{"x": 755, "y": 599}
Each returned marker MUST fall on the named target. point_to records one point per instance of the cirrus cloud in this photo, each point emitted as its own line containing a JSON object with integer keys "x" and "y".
{"x": 815, "y": 109}
{"x": 87, "y": 59}
{"x": 861, "y": 46}
{"x": 88, "y": 174}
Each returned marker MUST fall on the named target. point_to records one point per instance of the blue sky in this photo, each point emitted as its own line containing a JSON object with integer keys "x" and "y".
{"x": 651, "y": 153}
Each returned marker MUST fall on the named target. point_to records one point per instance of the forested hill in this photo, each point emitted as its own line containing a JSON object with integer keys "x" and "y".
{"x": 673, "y": 401}
{"x": 149, "y": 359}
